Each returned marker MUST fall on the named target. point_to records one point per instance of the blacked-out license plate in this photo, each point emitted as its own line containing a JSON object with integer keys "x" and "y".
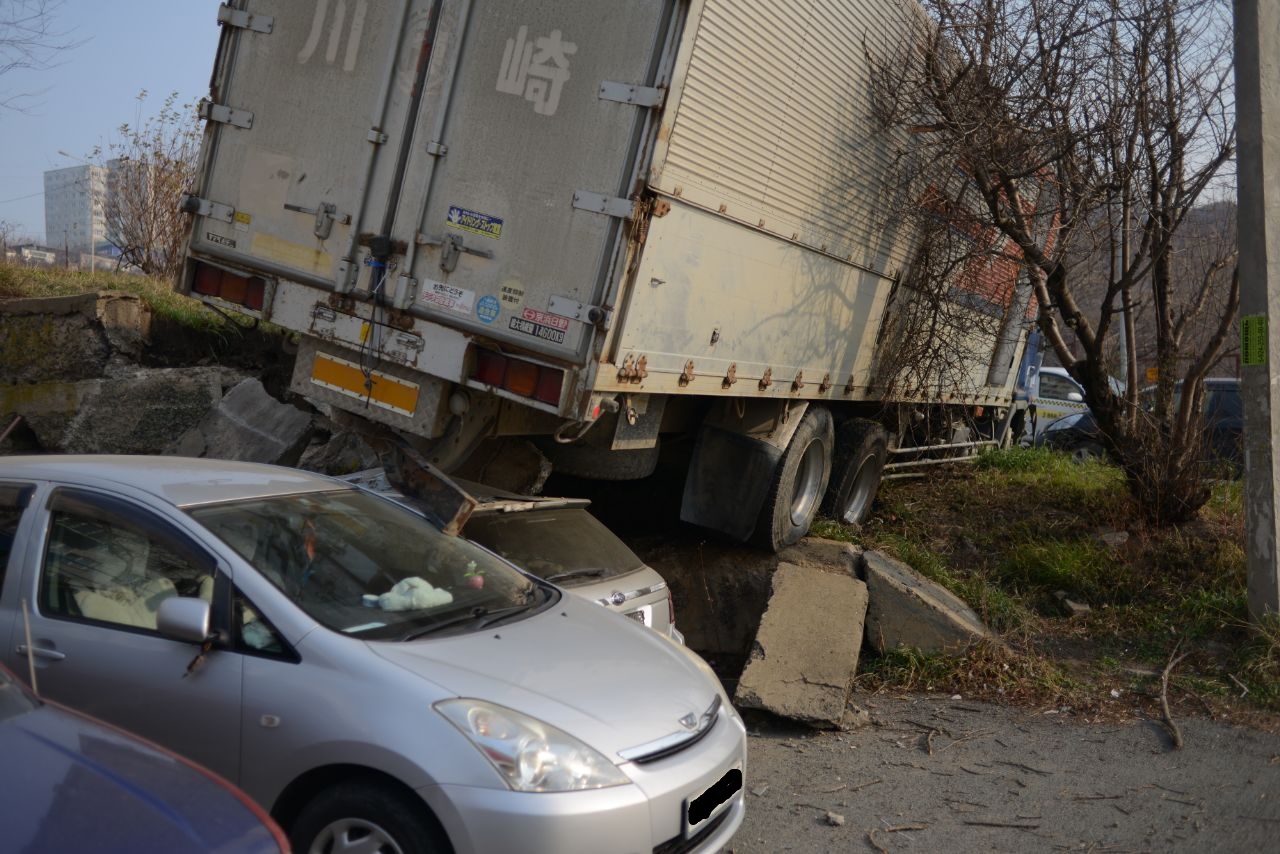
{"x": 706, "y": 805}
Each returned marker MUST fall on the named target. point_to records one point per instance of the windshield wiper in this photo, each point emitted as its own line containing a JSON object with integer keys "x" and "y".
{"x": 480, "y": 615}
{"x": 582, "y": 572}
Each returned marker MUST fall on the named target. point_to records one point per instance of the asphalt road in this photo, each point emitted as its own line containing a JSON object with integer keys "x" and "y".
{"x": 939, "y": 774}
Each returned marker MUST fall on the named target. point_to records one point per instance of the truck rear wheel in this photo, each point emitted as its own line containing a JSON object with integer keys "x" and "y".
{"x": 862, "y": 446}
{"x": 799, "y": 482}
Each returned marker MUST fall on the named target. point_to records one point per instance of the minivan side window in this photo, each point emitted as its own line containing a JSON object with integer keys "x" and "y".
{"x": 13, "y": 500}
{"x": 108, "y": 561}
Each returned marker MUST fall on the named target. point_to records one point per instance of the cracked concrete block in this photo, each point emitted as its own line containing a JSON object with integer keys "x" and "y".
{"x": 133, "y": 413}
{"x": 908, "y": 609}
{"x": 248, "y": 425}
{"x": 806, "y": 651}
{"x": 70, "y": 338}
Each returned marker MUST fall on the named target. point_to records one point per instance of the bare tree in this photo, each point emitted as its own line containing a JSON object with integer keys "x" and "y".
{"x": 29, "y": 39}
{"x": 149, "y": 168}
{"x": 1085, "y": 133}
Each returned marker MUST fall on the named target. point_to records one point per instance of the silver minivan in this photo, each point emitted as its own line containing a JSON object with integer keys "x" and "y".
{"x": 558, "y": 540}
{"x": 371, "y": 681}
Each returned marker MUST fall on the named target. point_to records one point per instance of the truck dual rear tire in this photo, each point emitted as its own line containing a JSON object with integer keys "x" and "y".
{"x": 862, "y": 446}
{"x": 799, "y": 482}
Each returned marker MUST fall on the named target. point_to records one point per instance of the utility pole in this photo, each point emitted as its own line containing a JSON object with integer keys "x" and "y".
{"x": 1257, "y": 33}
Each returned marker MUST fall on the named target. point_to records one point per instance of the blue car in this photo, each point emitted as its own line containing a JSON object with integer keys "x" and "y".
{"x": 71, "y": 783}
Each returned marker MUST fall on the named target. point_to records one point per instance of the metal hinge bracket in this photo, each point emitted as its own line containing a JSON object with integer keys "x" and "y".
{"x": 225, "y": 115}
{"x": 576, "y": 310}
{"x": 584, "y": 200}
{"x": 243, "y": 20}
{"x": 451, "y": 246}
{"x": 629, "y": 93}
{"x": 204, "y": 207}
{"x": 325, "y": 215}
{"x": 437, "y": 149}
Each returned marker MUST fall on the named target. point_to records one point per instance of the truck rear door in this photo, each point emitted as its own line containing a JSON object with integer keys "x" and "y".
{"x": 494, "y": 142}
{"x": 309, "y": 112}
{"x": 519, "y": 211}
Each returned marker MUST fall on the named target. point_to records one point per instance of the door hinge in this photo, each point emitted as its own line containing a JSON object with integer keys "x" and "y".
{"x": 325, "y": 213}
{"x": 451, "y": 246}
{"x": 586, "y": 200}
{"x": 576, "y": 310}
{"x": 629, "y": 93}
{"x": 243, "y": 20}
{"x": 204, "y": 207}
{"x": 437, "y": 149}
{"x": 223, "y": 114}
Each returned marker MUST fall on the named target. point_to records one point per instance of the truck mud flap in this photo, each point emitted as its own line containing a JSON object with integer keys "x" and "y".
{"x": 728, "y": 480}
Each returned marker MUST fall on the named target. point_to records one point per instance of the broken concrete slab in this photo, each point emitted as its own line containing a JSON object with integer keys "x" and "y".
{"x": 337, "y": 453}
{"x": 248, "y": 425}
{"x": 721, "y": 588}
{"x": 908, "y": 609}
{"x": 132, "y": 412}
{"x": 805, "y": 655}
{"x": 70, "y": 338}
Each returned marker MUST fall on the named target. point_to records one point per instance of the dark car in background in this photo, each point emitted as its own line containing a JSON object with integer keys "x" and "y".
{"x": 72, "y": 783}
{"x": 1077, "y": 434}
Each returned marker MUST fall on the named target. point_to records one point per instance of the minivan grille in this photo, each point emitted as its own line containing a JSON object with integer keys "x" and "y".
{"x": 676, "y": 742}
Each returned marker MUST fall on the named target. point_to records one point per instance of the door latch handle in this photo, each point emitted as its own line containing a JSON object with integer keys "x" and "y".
{"x": 41, "y": 652}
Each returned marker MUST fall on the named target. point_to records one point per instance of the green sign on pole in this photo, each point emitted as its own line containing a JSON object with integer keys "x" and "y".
{"x": 1253, "y": 340}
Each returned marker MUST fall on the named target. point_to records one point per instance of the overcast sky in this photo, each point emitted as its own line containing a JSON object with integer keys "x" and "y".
{"x": 161, "y": 46}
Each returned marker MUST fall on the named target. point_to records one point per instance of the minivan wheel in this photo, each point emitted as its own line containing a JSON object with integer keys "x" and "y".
{"x": 368, "y": 817}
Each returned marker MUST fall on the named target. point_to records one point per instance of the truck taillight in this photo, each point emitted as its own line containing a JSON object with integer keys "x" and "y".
{"x": 517, "y": 376}
{"x": 248, "y": 291}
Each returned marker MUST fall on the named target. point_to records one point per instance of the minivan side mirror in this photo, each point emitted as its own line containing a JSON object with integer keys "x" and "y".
{"x": 1075, "y": 397}
{"x": 183, "y": 618}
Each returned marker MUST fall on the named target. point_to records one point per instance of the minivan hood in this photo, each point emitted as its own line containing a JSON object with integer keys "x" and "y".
{"x": 593, "y": 674}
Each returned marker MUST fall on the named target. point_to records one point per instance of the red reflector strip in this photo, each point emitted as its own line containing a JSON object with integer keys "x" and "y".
{"x": 491, "y": 367}
{"x": 526, "y": 379}
{"x": 550, "y": 381}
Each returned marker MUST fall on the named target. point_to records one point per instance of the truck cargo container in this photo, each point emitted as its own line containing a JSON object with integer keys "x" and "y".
{"x": 590, "y": 225}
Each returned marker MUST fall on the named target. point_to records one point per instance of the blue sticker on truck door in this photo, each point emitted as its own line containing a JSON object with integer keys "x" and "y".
{"x": 474, "y": 222}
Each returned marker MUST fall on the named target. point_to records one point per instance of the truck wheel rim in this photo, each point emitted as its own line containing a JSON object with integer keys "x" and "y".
{"x": 354, "y": 835}
{"x": 808, "y": 483}
{"x": 860, "y": 494}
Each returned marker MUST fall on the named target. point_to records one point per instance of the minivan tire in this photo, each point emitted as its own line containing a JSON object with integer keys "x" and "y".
{"x": 364, "y": 808}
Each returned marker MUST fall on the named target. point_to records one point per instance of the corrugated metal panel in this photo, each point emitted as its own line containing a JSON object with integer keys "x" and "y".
{"x": 773, "y": 122}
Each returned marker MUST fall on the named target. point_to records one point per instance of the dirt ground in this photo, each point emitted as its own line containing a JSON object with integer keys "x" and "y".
{"x": 936, "y": 773}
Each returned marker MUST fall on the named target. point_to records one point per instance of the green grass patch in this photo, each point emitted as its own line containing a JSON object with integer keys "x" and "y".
{"x": 1011, "y": 530}
{"x": 185, "y": 329}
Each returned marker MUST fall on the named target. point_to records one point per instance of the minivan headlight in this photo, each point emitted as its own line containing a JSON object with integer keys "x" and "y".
{"x": 531, "y": 755}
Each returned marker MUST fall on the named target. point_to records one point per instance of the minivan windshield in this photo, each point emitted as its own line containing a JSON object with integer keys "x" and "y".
{"x": 562, "y": 545}
{"x": 368, "y": 567}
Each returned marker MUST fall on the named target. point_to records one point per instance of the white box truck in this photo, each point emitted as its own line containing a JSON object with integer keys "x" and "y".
{"x": 588, "y": 225}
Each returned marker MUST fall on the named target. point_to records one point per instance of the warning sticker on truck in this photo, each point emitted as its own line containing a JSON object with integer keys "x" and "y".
{"x": 537, "y": 330}
{"x": 476, "y": 223}
{"x": 447, "y": 296}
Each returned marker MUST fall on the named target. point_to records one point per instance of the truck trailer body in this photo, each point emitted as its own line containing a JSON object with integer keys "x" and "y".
{"x": 590, "y": 223}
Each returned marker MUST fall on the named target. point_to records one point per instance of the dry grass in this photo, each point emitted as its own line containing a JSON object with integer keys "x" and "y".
{"x": 1015, "y": 532}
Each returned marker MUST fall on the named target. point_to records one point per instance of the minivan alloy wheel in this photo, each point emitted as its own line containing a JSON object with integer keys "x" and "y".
{"x": 353, "y": 836}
